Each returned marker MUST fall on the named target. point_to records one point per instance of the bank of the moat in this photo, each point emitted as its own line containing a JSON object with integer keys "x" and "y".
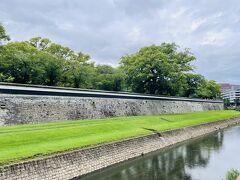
{"x": 80, "y": 162}
{"x": 208, "y": 157}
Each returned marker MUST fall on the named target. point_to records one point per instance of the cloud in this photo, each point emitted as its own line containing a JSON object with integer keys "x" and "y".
{"x": 216, "y": 38}
{"x": 108, "y": 29}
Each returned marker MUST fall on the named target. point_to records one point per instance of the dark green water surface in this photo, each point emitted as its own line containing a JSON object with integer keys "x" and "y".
{"x": 207, "y": 158}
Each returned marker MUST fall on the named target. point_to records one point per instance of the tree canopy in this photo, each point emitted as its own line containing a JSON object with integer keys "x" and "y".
{"x": 166, "y": 70}
{"x": 157, "y": 69}
{"x": 3, "y": 35}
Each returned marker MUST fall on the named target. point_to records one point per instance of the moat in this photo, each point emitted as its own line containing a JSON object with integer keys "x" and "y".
{"x": 209, "y": 157}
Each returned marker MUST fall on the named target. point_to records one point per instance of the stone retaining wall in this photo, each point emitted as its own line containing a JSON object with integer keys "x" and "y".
{"x": 25, "y": 109}
{"x": 79, "y": 162}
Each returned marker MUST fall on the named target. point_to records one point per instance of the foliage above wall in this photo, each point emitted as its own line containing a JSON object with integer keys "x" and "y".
{"x": 158, "y": 69}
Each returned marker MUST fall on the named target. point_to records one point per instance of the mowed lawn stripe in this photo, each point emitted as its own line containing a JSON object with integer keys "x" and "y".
{"x": 26, "y": 141}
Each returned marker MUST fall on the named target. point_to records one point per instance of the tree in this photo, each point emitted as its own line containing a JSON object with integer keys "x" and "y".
{"x": 77, "y": 74}
{"x": 3, "y": 35}
{"x": 226, "y": 103}
{"x": 194, "y": 83}
{"x": 237, "y": 101}
{"x": 53, "y": 69}
{"x": 76, "y": 70}
{"x": 209, "y": 89}
{"x": 233, "y": 174}
{"x": 15, "y": 63}
{"x": 23, "y": 47}
{"x": 163, "y": 69}
{"x": 17, "y": 66}
{"x": 40, "y": 43}
{"x": 23, "y": 63}
{"x": 49, "y": 69}
{"x": 108, "y": 78}
{"x": 61, "y": 52}
{"x": 157, "y": 69}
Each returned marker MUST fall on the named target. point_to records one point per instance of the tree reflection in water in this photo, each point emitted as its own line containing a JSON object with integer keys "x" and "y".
{"x": 171, "y": 164}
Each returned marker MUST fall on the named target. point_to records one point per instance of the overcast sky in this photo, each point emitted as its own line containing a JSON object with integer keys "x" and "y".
{"x": 108, "y": 29}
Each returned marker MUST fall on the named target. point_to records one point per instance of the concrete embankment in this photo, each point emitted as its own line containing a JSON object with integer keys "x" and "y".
{"x": 79, "y": 162}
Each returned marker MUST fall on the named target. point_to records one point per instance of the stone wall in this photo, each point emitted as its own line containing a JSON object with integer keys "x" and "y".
{"x": 79, "y": 162}
{"x": 25, "y": 109}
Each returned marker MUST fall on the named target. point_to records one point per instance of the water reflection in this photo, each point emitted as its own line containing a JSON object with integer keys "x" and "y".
{"x": 172, "y": 164}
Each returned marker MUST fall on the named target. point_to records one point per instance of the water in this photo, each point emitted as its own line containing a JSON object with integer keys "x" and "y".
{"x": 207, "y": 158}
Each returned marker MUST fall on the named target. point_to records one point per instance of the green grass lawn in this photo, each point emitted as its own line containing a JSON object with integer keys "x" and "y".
{"x": 26, "y": 141}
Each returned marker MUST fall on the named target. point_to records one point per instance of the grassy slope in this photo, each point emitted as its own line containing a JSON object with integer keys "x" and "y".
{"x": 24, "y": 141}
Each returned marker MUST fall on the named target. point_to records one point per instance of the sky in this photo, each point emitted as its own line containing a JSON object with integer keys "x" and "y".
{"x": 109, "y": 29}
